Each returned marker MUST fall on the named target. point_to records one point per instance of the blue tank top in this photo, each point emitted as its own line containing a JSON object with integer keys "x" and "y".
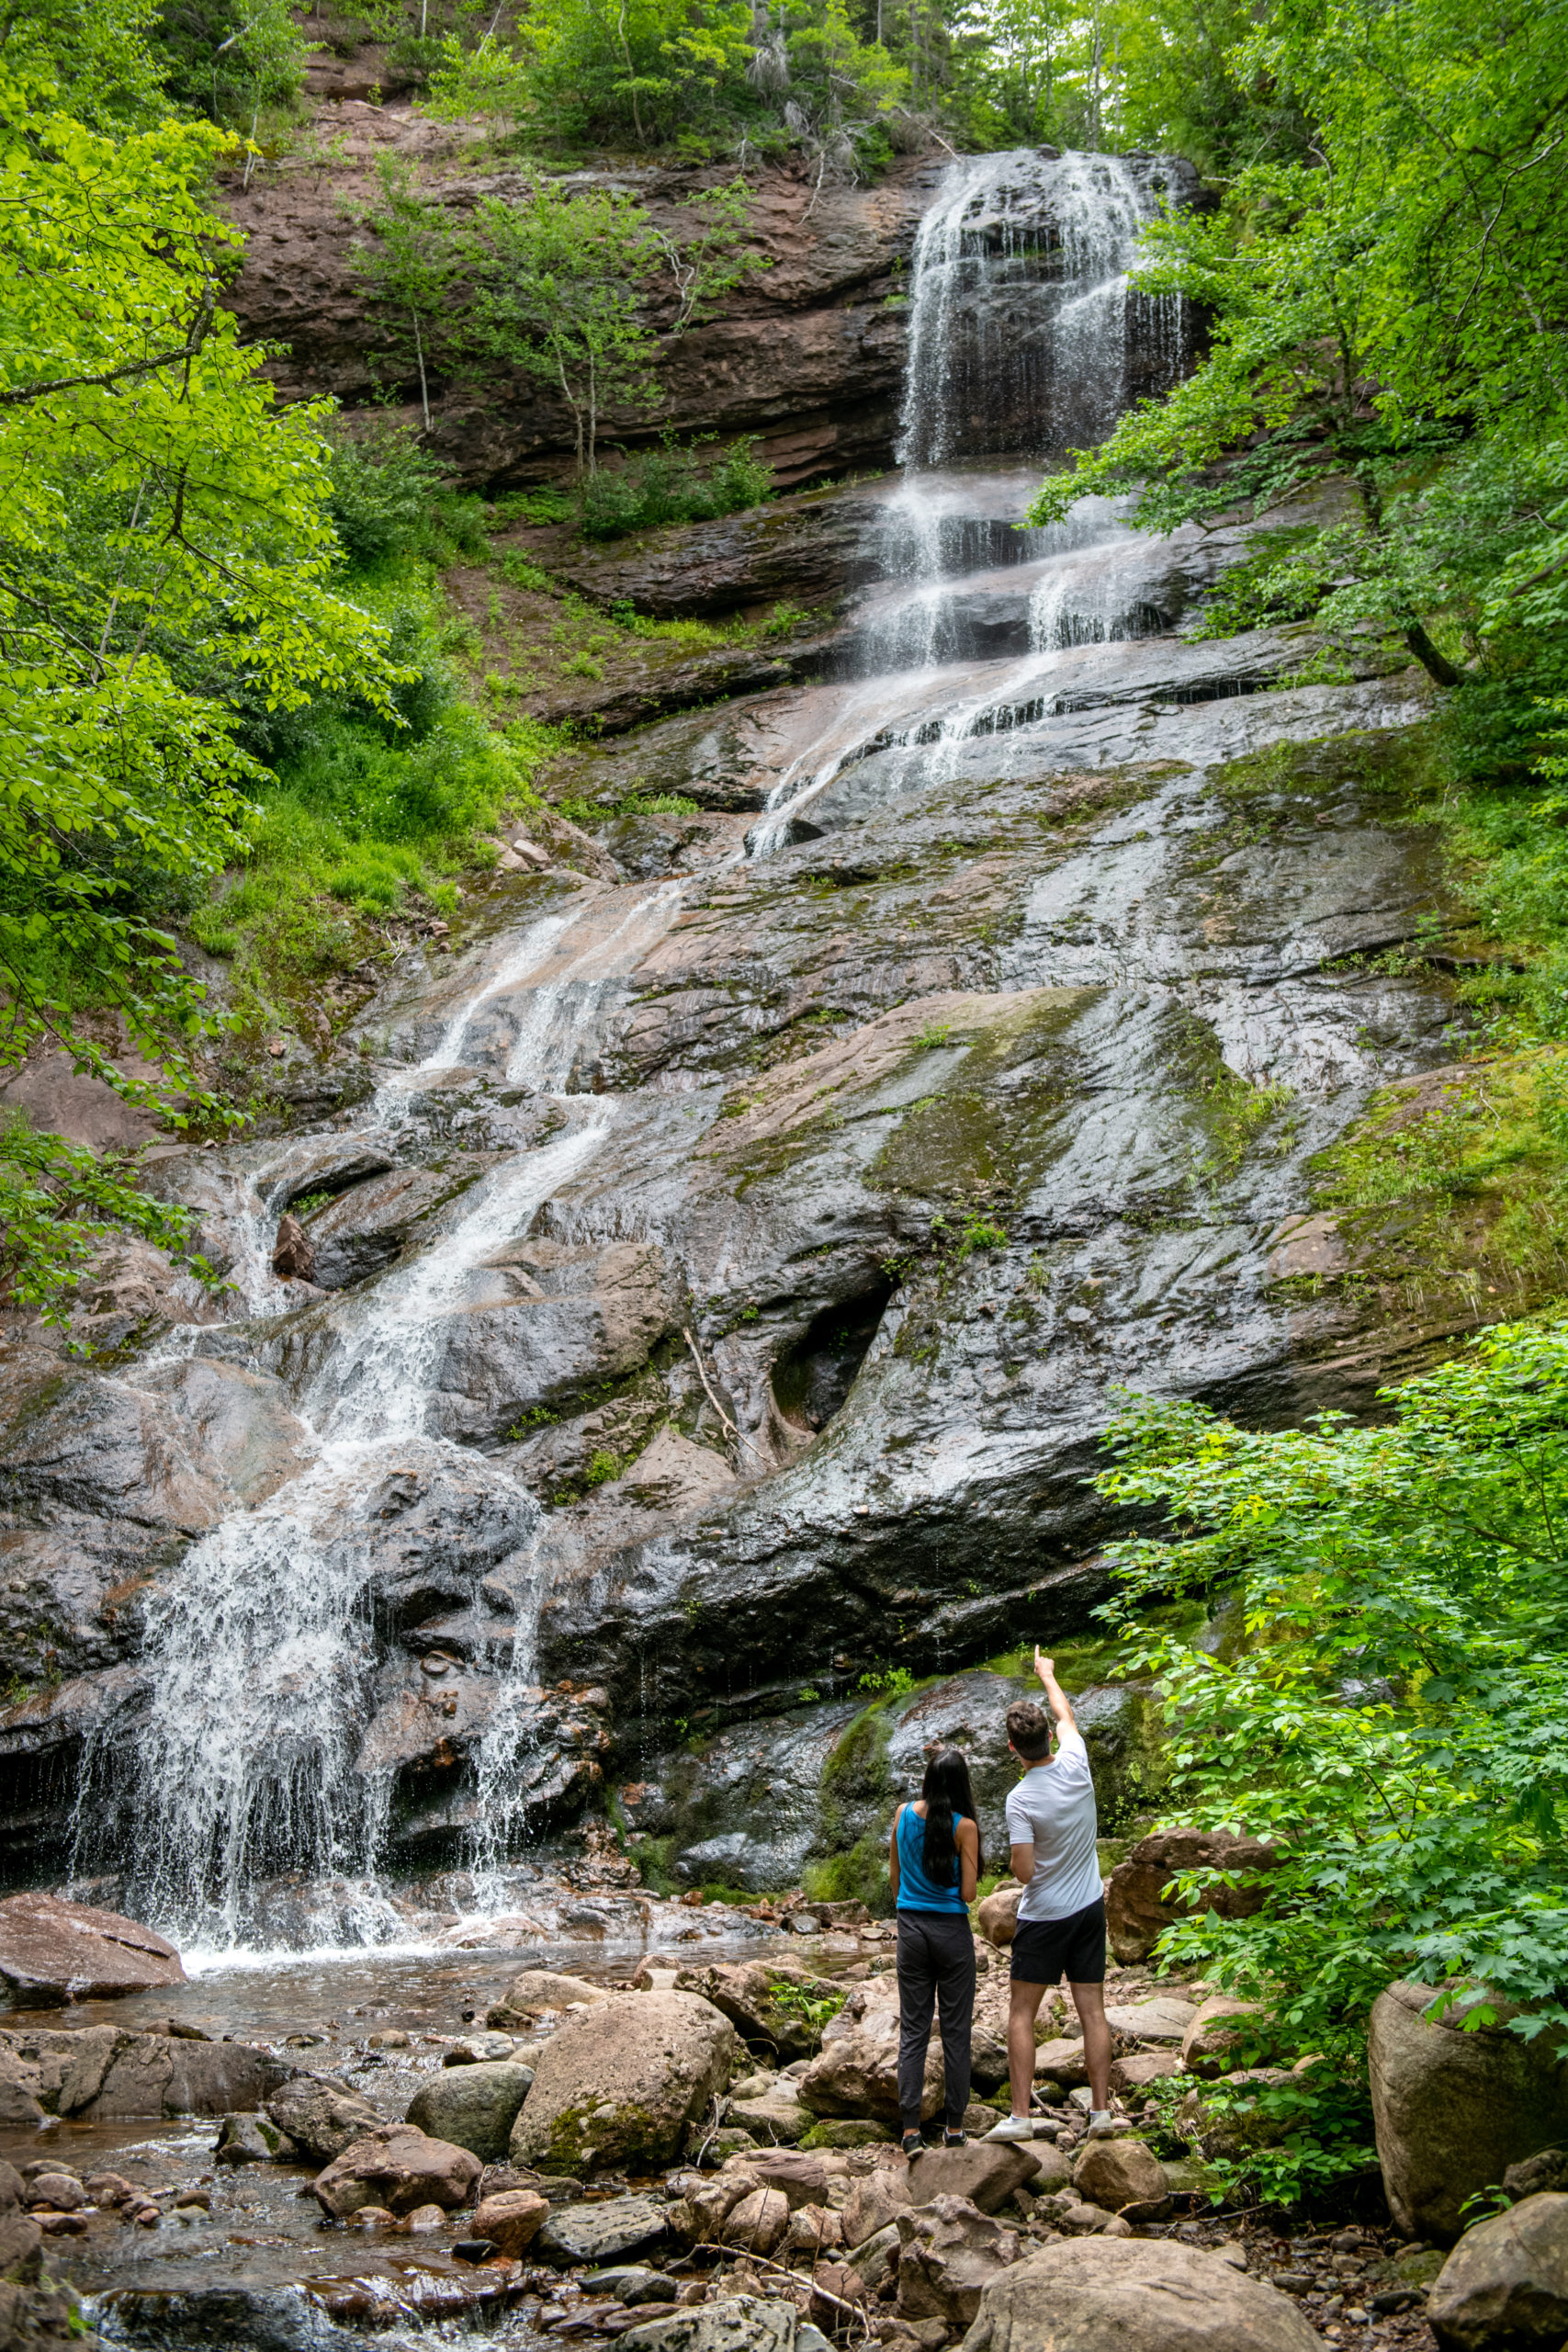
{"x": 916, "y": 1891}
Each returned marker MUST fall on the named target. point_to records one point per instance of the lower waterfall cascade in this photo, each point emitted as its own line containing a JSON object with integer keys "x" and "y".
{"x": 1036, "y": 917}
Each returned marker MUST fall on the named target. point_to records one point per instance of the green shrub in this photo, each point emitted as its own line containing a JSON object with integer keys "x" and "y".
{"x": 669, "y": 485}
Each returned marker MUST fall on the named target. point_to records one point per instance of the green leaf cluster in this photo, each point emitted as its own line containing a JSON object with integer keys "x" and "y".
{"x": 1394, "y": 1720}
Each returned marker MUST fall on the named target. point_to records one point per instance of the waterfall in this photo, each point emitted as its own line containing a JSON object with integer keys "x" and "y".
{"x": 1024, "y": 331}
{"x": 1019, "y": 305}
{"x": 282, "y": 1634}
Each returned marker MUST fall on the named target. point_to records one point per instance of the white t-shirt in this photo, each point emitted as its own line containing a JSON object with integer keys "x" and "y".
{"x": 1051, "y": 1809}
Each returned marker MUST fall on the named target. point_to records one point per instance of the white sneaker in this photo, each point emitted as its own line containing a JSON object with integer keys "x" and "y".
{"x": 1012, "y": 2127}
{"x": 1101, "y": 2123}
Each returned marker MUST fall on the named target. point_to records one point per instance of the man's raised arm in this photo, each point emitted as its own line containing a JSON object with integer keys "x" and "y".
{"x": 1056, "y": 1697}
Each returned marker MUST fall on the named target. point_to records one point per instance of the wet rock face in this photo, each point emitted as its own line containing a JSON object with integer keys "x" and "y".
{"x": 720, "y": 1279}
{"x": 764, "y": 1798}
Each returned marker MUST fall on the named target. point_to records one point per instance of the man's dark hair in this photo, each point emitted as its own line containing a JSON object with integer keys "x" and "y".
{"x": 1028, "y": 1728}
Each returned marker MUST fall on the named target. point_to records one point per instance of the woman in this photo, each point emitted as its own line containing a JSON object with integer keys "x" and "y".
{"x": 934, "y": 1860}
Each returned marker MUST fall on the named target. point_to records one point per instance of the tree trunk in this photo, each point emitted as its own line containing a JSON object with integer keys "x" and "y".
{"x": 419, "y": 355}
{"x": 1437, "y": 665}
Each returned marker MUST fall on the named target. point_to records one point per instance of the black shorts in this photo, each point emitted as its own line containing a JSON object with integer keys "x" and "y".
{"x": 1045, "y": 1950}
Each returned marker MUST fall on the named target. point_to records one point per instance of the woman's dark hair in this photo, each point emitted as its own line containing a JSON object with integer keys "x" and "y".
{"x": 947, "y": 1793}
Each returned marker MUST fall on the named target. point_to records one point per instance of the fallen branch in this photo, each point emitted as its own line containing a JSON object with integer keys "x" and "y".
{"x": 713, "y": 1400}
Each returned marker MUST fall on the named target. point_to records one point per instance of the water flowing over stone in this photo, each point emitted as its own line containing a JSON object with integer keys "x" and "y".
{"x": 1020, "y": 303}
{"x": 721, "y": 1258}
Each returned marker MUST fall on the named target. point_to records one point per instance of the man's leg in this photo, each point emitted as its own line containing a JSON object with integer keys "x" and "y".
{"x": 1023, "y": 2007}
{"x": 1089, "y": 2002}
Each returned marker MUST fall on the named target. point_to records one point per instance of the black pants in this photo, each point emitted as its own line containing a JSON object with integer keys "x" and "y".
{"x": 936, "y": 1965}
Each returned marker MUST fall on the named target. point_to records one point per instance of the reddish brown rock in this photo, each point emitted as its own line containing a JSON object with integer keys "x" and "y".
{"x": 292, "y": 1255}
{"x": 1137, "y": 1911}
{"x": 53, "y": 1951}
{"x": 514, "y": 2219}
{"x": 400, "y": 2168}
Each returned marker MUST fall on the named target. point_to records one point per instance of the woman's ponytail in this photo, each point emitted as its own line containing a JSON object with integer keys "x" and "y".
{"x": 947, "y": 1796}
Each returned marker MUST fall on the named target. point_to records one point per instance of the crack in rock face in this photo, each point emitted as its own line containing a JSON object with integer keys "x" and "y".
{"x": 715, "y": 1269}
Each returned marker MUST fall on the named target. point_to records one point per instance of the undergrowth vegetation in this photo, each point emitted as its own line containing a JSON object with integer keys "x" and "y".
{"x": 1395, "y": 1723}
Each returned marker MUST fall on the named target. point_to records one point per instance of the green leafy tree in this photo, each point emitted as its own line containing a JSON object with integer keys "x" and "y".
{"x": 159, "y": 513}
{"x": 593, "y": 69}
{"x": 409, "y": 270}
{"x": 1394, "y": 1719}
{"x": 227, "y": 59}
{"x": 558, "y": 287}
{"x": 1377, "y": 298}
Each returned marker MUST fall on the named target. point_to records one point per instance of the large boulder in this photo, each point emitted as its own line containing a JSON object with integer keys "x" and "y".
{"x": 321, "y": 2117}
{"x": 857, "y": 2071}
{"x": 1137, "y": 1909}
{"x": 1504, "y": 2287}
{"x": 621, "y": 2085}
{"x": 474, "y": 2107}
{"x": 949, "y": 2254}
{"x": 400, "y": 2168}
{"x": 53, "y": 1951}
{"x": 1453, "y": 2110}
{"x": 1097, "y": 2295}
{"x": 103, "y": 2075}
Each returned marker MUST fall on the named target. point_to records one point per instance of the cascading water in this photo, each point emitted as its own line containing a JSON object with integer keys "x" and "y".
{"x": 1020, "y": 305}
{"x": 246, "y": 1754}
{"x": 1026, "y": 338}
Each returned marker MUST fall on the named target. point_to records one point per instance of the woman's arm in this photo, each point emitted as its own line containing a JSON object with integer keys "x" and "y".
{"x": 893, "y": 1852}
{"x": 967, "y": 1838}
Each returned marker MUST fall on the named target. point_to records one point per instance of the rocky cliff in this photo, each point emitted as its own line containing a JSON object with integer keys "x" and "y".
{"x": 716, "y": 1264}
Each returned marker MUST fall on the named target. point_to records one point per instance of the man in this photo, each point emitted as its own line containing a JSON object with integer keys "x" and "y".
{"x": 1060, "y": 1916}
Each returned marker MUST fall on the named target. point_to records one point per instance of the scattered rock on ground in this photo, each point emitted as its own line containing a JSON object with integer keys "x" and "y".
{"x": 986, "y": 2172}
{"x": 1505, "y": 2283}
{"x": 949, "y": 2253}
{"x": 614, "y": 2232}
{"x": 1122, "y": 2176}
{"x": 757, "y": 2225}
{"x": 321, "y": 2118}
{"x": 474, "y": 2107}
{"x": 622, "y": 2086}
{"x": 540, "y": 1989}
{"x": 241, "y": 2141}
{"x": 514, "y": 2219}
{"x": 400, "y": 2168}
{"x": 739, "y": 2323}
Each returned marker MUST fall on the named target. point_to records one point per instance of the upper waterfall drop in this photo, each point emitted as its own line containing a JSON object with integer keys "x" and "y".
{"x": 1019, "y": 304}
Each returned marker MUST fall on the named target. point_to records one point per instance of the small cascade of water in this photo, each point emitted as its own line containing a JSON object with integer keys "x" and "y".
{"x": 1019, "y": 304}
